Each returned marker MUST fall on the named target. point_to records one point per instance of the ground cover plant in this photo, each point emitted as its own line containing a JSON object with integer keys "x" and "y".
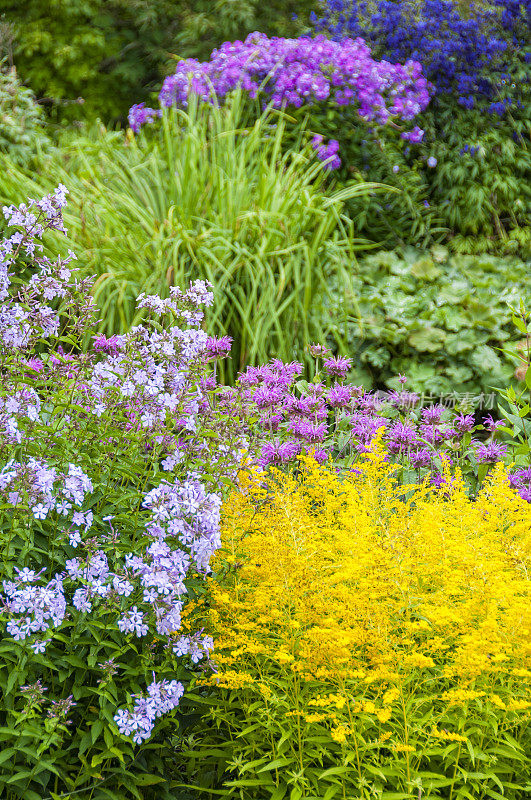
{"x": 372, "y": 640}
{"x": 441, "y": 318}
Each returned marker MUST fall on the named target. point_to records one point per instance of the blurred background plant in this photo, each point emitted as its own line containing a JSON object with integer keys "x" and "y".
{"x": 477, "y": 127}
{"x": 22, "y": 127}
{"x": 108, "y": 54}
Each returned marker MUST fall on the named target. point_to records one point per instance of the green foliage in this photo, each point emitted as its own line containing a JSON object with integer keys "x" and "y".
{"x": 478, "y": 202}
{"x": 21, "y": 119}
{"x": 439, "y": 319}
{"x": 206, "y": 198}
{"x": 485, "y": 198}
{"x": 112, "y": 53}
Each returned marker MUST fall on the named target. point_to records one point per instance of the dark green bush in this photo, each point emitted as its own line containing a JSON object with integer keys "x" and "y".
{"x": 437, "y": 318}
{"x": 112, "y": 53}
{"x": 21, "y": 118}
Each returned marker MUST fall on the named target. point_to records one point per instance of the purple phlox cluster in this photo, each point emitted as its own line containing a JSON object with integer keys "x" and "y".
{"x": 196, "y": 646}
{"x": 297, "y": 72}
{"x": 328, "y": 153}
{"x": 19, "y": 407}
{"x": 42, "y": 489}
{"x": 162, "y": 697}
{"x": 35, "y": 608}
{"x": 27, "y": 315}
{"x": 415, "y": 135}
{"x": 139, "y": 115}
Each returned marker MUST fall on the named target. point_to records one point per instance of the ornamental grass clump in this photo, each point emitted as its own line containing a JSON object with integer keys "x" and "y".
{"x": 112, "y": 464}
{"x": 371, "y": 640}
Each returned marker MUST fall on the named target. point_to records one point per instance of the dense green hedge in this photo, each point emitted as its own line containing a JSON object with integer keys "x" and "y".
{"x": 112, "y": 53}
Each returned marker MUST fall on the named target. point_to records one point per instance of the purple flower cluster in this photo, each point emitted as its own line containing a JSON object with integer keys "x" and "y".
{"x": 467, "y": 52}
{"x": 338, "y": 422}
{"x": 297, "y": 72}
{"x": 162, "y": 697}
{"x": 327, "y": 152}
{"x": 145, "y": 394}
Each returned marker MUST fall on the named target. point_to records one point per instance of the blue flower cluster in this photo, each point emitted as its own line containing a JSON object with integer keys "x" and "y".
{"x": 466, "y": 54}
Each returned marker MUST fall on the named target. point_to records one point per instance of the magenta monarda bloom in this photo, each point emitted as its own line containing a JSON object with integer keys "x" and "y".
{"x": 337, "y": 366}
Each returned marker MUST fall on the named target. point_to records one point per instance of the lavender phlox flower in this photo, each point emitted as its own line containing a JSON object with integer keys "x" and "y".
{"x": 327, "y": 152}
{"x": 298, "y": 72}
{"x": 162, "y": 698}
{"x": 139, "y": 115}
{"x": 133, "y": 622}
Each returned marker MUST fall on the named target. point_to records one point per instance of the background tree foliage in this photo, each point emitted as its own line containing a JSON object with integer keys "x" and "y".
{"x": 112, "y": 53}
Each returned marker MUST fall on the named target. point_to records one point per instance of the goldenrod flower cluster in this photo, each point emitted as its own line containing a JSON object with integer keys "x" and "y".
{"x": 377, "y": 631}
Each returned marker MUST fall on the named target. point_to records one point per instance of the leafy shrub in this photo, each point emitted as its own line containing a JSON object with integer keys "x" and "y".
{"x": 437, "y": 318}
{"x": 113, "y": 461}
{"x": 205, "y": 197}
{"x": 477, "y": 126}
{"x": 371, "y": 640}
{"x": 21, "y": 119}
{"x": 111, "y": 52}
